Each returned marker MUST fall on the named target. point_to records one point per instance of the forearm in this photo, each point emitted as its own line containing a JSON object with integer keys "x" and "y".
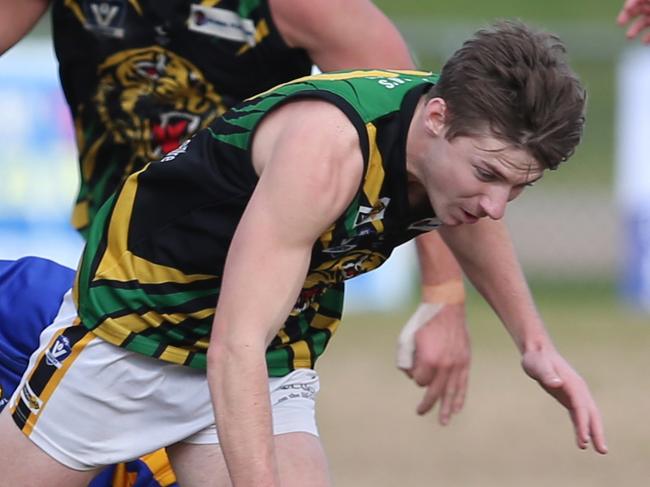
{"x": 438, "y": 266}
{"x": 487, "y": 256}
{"x": 17, "y": 17}
{"x": 239, "y": 387}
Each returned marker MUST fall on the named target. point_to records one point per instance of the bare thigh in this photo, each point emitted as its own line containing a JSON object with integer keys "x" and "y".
{"x": 301, "y": 461}
{"x": 23, "y": 463}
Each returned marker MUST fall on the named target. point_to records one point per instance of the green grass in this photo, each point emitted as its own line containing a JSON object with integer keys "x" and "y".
{"x": 510, "y": 432}
{"x": 571, "y": 309}
{"x": 574, "y": 311}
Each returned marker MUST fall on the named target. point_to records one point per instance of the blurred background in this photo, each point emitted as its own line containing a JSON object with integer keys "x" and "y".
{"x": 583, "y": 236}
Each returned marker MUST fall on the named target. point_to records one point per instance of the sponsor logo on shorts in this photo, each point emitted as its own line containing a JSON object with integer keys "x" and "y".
{"x": 295, "y": 391}
{"x": 31, "y": 400}
{"x": 58, "y": 352}
{"x": 3, "y": 399}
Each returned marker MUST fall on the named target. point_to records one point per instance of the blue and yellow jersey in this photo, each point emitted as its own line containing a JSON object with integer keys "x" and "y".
{"x": 31, "y": 292}
{"x": 151, "y": 470}
{"x": 150, "y": 275}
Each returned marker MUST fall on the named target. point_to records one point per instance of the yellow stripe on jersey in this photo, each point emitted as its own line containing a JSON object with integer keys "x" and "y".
{"x": 118, "y": 263}
{"x": 284, "y": 338}
{"x": 80, "y": 215}
{"x": 325, "y": 322}
{"x": 301, "y": 355}
{"x": 372, "y": 182}
{"x": 76, "y": 10}
{"x": 375, "y": 173}
{"x": 136, "y": 6}
{"x": 174, "y": 354}
{"x": 116, "y": 330}
{"x": 209, "y": 3}
{"x": 90, "y": 157}
{"x": 346, "y": 75}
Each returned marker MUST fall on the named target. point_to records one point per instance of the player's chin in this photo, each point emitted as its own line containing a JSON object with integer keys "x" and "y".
{"x": 451, "y": 222}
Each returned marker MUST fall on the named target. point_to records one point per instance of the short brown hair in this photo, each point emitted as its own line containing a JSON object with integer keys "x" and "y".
{"x": 517, "y": 82}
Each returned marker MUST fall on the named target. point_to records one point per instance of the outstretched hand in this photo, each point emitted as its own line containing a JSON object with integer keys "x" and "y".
{"x": 558, "y": 378}
{"x": 639, "y": 10}
{"x": 437, "y": 357}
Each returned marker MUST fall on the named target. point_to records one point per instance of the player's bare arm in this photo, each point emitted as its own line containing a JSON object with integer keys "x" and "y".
{"x": 17, "y": 18}
{"x": 306, "y": 181}
{"x": 346, "y": 34}
{"x": 493, "y": 269}
{"x": 342, "y": 34}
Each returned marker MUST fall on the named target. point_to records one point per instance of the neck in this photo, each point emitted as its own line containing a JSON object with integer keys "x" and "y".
{"x": 414, "y": 144}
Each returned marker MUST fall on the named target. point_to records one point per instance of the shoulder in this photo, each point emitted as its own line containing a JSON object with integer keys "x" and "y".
{"x": 313, "y": 129}
{"x": 310, "y": 149}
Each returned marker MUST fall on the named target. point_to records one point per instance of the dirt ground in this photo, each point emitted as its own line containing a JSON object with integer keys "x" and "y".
{"x": 510, "y": 432}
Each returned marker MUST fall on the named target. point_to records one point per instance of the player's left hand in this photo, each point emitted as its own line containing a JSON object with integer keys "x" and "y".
{"x": 558, "y": 378}
{"x": 441, "y": 358}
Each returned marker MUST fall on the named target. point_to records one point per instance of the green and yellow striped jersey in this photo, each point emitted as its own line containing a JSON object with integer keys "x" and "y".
{"x": 150, "y": 274}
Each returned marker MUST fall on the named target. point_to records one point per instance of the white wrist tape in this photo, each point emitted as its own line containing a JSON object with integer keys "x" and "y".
{"x": 406, "y": 339}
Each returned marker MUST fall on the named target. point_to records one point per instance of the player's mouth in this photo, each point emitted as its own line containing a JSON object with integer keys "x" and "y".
{"x": 469, "y": 217}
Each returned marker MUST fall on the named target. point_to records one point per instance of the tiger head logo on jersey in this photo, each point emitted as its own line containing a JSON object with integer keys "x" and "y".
{"x": 333, "y": 271}
{"x": 349, "y": 265}
{"x": 153, "y": 100}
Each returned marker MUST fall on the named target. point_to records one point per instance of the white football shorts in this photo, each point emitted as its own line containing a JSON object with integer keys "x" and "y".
{"x": 88, "y": 403}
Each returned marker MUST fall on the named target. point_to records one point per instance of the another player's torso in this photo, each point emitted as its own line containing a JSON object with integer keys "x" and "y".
{"x": 154, "y": 288}
{"x": 141, "y": 76}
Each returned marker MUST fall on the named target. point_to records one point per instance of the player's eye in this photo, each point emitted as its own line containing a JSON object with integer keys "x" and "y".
{"x": 484, "y": 175}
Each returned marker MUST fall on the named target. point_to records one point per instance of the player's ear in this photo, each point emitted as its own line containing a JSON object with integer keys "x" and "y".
{"x": 435, "y": 114}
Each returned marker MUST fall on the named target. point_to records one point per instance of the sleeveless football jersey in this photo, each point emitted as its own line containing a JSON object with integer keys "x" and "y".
{"x": 150, "y": 275}
{"x": 141, "y": 76}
